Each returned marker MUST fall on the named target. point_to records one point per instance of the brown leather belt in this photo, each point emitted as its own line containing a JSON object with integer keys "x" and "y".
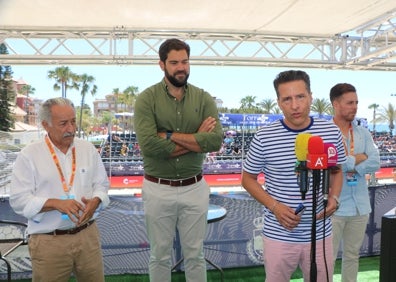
{"x": 70, "y": 231}
{"x": 176, "y": 183}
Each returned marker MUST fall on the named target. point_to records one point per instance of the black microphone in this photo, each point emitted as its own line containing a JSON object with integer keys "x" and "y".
{"x": 301, "y": 150}
{"x": 325, "y": 185}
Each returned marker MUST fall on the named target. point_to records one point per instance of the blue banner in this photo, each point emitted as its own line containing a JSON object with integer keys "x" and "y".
{"x": 234, "y": 120}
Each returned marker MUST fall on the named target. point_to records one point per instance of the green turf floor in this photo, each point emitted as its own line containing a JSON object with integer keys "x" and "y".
{"x": 368, "y": 272}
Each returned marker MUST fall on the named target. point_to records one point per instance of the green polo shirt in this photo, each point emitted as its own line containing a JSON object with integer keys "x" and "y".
{"x": 158, "y": 111}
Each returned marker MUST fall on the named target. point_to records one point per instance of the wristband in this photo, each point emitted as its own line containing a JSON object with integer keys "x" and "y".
{"x": 337, "y": 201}
{"x": 168, "y": 134}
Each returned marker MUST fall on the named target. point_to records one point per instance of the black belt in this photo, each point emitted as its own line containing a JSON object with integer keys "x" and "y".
{"x": 170, "y": 182}
{"x": 70, "y": 231}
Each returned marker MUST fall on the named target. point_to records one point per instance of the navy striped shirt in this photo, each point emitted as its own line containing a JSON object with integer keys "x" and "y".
{"x": 272, "y": 151}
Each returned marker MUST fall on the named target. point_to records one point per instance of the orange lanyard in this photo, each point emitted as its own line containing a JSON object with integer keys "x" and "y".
{"x": 66, "y": 188}
{"x": 351, "y": 143}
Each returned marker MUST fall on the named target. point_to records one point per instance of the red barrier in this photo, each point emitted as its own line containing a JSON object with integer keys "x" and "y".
{"x": 222, "y": 180}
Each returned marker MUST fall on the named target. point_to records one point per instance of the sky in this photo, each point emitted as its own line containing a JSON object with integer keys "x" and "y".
{"x": 227, "y": 83}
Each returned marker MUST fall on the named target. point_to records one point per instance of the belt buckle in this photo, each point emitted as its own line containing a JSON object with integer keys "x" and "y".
{"x": 73, "y": 231}
{"x": 77, "y": 229}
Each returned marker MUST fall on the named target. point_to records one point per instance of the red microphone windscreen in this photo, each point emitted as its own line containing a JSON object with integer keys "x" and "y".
{"x": 315, "y": 145}
{"x": 316, "y": 159}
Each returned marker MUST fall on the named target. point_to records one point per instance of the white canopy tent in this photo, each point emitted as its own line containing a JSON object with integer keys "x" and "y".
{"x": 309, "y": 17}
{"x": 354, "y": 34}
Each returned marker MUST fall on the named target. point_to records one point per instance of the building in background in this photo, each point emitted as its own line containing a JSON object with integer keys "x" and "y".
{"x": 25, "y": 106}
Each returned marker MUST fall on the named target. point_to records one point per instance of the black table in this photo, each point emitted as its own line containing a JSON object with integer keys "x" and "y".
{"x": 388, "y": 247}
{"x": 215, "y": 213}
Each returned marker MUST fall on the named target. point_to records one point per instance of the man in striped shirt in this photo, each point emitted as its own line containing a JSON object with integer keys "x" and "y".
{"x": 287, "y": 236}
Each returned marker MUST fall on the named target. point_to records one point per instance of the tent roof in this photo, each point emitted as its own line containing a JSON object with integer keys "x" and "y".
{"x": 315, "y": 17}
{"x": 354, "y": 34}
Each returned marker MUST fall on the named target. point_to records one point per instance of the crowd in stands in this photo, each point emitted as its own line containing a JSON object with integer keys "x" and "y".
{"x": 385, "y": 142}
{"x": 121, "y": 146}
{"x": 387, "y": 146}
{"x": 235, "y": 146}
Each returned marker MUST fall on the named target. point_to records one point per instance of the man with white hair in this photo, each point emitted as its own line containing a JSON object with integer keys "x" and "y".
{"x": 59, "y": 183}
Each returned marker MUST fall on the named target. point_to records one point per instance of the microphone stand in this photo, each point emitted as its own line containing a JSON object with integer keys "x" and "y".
{"x": 316, "y": 178}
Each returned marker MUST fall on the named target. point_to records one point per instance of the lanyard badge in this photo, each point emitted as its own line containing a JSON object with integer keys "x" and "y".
{"x": 66, "y": 186}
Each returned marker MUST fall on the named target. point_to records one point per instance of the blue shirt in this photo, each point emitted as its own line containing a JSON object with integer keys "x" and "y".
{"x": 355, "y": 198}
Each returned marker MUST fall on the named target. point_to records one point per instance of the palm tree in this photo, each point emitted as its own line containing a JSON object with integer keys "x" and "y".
{"x": 248, "y": 104}
{"x": 267, "y": 105}
{"x": 321, "y": 106}
{"x": 277, "y": 110}
{"x": 374, "y": 107}
{"x": 65, "y": 79}
{"x": 116, "y": 96}
{"x": 107, "y": 117}
{"x": 87, "y": 85}
{"x": 387, "y": 114}
{"x": 129, "y": 95}
{"x": 27, "y": 89}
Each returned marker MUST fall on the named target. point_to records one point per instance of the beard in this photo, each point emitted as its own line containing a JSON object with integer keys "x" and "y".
{"x": 175, "y": 81}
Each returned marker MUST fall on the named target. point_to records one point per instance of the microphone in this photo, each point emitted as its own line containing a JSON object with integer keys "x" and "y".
{"x": 332, "y": 155}
{"x": 332, "y": 158}
{"x": 316, "y": 158}
{"x": 301, "y": 151}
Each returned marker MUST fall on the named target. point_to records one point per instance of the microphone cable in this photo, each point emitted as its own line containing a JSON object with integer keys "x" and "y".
{"x": 323, "y": 241}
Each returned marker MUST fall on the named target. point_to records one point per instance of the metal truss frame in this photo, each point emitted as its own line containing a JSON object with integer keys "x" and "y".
{"x": 369, "y": 47}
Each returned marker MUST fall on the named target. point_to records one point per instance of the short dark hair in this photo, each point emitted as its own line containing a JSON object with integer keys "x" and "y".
{"x": 172, "y": 44}
{"x": 292, "y": 75}
{"x": 339, "y": 89}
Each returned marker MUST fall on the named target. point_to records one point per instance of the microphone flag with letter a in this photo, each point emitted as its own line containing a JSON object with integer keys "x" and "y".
{"x": 316, "y": 158}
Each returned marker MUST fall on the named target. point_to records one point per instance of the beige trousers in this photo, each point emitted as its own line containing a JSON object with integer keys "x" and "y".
{"x": 55, "y": 258}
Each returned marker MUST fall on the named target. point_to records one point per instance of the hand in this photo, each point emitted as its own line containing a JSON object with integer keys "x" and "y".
{"x": 70, "y": 207}
{"x": 90, "y": 206}
{"x": 207, "y": 125}
{"x": 331, "y": 208}
{"x": 285, "y": 216}
{"x": 161, "y": 135}
{"x": 359, "y": 158}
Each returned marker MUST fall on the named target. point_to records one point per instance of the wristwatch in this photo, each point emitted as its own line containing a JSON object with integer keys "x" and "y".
{"x": 337, "y": 201}
{"x": 168, "y": 134}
